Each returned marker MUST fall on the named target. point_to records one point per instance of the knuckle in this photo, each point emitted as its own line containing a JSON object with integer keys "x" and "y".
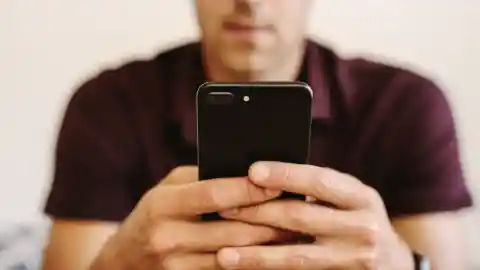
{"x": 329, "y": 173}
{"x": 176, "y": 171}
{"x": 370, "y": 235}
{"x": 161, "y": 240}
{"x": 373, "y": 197}
{"x": 367, "y": 260}
{"x": 286, "y": 172}
{"x": 149, "y": 196}
{"x": 173, "y": 176}
{"x": 175, "y": 262}
{"x": 169, "y": 263}
{"x": 180, "y": 175}
{"x": 319, "y": 184}
{"x": 297, "y": 213}
{"x": 369, "y": 231}
{"x": 213, "y": 196}
{"x": 149, "y": 203}
{"x": 323, "y": 179}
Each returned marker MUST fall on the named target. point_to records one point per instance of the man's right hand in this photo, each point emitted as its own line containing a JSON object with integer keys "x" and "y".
{"x": 164, "y": 232}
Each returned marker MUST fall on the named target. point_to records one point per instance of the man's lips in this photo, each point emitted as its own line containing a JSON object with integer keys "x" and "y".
{"x": 245, "y": 27}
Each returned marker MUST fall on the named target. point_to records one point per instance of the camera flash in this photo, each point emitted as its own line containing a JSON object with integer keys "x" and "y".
{"x": 246, "y": 98}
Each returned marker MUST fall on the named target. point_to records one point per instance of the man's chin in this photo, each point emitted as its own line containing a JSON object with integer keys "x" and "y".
{"x": 246, "y": 65}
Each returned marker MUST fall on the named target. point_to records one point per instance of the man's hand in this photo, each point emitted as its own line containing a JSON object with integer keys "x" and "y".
{"x": 352, "y": 232}
{"x": 163, "y": 231}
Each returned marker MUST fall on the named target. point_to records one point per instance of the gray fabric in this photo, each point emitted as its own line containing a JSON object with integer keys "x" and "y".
{"x": 21, "y": 245}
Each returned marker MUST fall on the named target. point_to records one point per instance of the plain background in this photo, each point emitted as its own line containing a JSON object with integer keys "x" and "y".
{"x": 48, "y": 47}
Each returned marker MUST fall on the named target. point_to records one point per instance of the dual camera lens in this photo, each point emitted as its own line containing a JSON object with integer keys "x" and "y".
{"x": 223, "y": 98}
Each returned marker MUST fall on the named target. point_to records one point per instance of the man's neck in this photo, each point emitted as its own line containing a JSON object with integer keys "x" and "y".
{"x": 287, "y": 69}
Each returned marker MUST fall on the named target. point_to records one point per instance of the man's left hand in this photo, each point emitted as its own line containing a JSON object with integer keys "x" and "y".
{"x": 352, "y": 232}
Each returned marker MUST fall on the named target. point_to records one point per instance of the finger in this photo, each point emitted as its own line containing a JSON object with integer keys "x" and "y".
{"x": 298, "y": 257}
{"x": 181, "y": 175}
{"x": 323, "y": 184}
{"x": 206, "y": 197}
{"x": 182, "y": 236}
{"x": 307, "y": 218}
{"x": 191, "y": 261}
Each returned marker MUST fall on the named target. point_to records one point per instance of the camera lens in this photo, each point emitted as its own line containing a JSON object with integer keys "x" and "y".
{"x": 220, "y": 98}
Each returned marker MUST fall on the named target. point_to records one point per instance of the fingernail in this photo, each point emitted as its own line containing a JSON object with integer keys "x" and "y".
{"x": 228, "y": 258}
{"x": 259, "y": 172}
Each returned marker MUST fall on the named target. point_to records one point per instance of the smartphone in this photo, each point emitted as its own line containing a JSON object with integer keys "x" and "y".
{"x": 239, "y": 124}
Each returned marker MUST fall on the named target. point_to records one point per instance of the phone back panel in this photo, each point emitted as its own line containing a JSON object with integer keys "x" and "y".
{"x": 239, "y": 124}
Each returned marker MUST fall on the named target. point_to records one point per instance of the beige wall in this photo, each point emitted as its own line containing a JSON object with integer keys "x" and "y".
{"x": 48, "y": 46}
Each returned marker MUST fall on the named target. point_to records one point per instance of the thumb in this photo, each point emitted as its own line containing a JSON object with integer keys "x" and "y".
{"x": 181, "y": 175}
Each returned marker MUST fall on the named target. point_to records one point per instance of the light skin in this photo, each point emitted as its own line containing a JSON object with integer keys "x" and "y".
{"x": 256, "y": 40}
{"x": 164, "y": 232}
{"x": 353, "y": 232}
{"x": 250, "y": 41}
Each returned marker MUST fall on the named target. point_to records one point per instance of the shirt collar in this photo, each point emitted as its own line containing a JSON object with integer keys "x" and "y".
{"x": 314, "y": 72}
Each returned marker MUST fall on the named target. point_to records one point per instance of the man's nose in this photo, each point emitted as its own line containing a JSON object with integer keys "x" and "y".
{"x": 251, "y": 2}
{"x": 250, "y": 6}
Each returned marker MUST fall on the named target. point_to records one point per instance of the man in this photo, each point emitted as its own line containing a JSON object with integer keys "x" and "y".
{"x": 384, "y": 161}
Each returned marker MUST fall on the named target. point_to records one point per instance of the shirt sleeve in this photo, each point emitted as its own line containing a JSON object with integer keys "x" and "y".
{"x": 96, "y": 155}
{"x": 426, "y": 173}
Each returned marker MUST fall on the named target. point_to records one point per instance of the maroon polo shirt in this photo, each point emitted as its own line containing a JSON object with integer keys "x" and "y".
{"x": 126, "y": 128}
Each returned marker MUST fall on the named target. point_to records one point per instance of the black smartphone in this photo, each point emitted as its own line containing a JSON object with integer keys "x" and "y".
{"x": 239, "y": 124}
